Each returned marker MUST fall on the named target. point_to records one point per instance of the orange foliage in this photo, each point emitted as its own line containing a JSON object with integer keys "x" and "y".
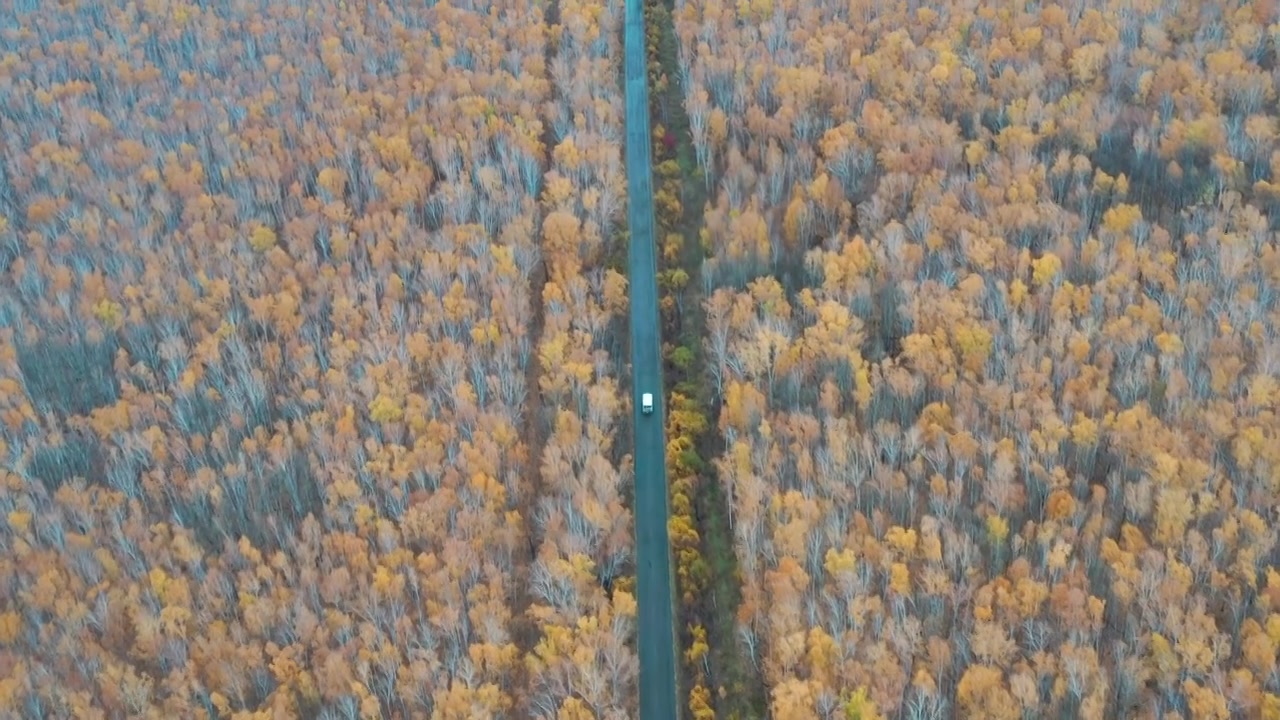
{"x": 1049, "y": 228}
{"x": 270, "y": 400}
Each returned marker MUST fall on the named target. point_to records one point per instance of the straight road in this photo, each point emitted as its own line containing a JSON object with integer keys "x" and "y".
{"x": 653, "y": 545}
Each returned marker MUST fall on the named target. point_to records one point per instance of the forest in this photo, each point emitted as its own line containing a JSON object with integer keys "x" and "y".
{"x": 314, "y": 384}
{"x": 991, "y": 316}
{"x": 307, "y": 371}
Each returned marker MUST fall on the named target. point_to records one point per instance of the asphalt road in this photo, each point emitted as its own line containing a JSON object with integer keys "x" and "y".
{"x": 653, "y": 545}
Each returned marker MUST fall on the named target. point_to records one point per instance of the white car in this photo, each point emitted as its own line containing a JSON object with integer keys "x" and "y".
{"x": 646, "y": 403}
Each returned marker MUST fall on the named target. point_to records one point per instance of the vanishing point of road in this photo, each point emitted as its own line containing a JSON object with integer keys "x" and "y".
{"x": 653, "y": 545}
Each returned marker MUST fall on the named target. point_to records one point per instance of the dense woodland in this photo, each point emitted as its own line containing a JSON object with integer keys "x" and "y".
{"x": 313, "y": 385}
{"x": 309, "y": 385}
{"x": 992, "y": 315}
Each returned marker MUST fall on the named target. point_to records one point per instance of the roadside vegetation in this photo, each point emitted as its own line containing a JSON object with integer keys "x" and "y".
{"x": 717, "y": 675}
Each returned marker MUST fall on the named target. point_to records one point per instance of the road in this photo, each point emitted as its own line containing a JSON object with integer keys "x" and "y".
{"x": 653, "y": 545}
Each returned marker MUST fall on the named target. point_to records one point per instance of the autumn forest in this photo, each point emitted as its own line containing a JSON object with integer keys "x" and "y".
{"x": 315, "y": 394}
